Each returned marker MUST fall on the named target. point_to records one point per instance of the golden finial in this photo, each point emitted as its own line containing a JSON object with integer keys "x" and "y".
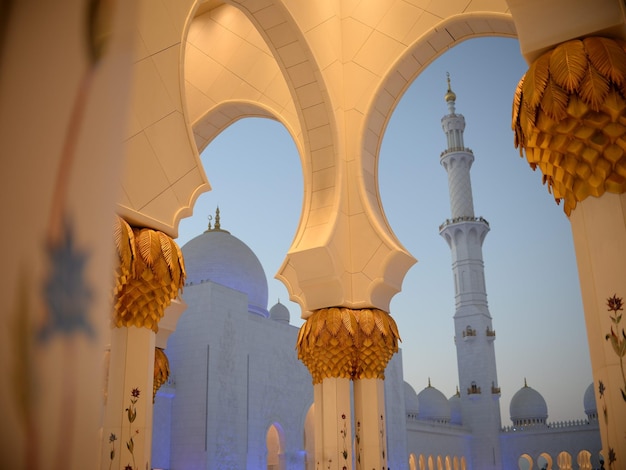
{"x": 525, "y": 384}
{"x": 450, "y": 95}
{"x": 428, "y": 382}
{"x": 217, "y": 227}
{"x": 217, "y": 218}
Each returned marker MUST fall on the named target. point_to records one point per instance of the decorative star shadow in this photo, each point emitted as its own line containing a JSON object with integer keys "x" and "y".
{"x": 66, "y": 292}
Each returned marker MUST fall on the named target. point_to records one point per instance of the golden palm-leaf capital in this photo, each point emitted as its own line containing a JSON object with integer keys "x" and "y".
{"x": 340, "y": 342}
{"x": 156, "y": 276}
{"x": 569, "y": 117}
{"x": 124, "y": 240}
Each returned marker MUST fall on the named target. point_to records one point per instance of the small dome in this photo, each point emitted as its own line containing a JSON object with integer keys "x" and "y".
{"x": 589, "y": 402}
{"x": 280, "y": 313}
{"x": 434, "y": 405}
{"x": 219, "y": 257}
{"x": 455, "y": 408}
{"x": 411, "y": 403}
{"x": 528, "y": 407}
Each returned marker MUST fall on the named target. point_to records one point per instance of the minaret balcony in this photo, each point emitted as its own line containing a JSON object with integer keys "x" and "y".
{"x": 491, "y": 334}
{"x": 463, "y": 218}
{"x": 473, "y": 389}
{"x": 456, "y": 149}
{"x": 469, "y": 334}
{"x": 495, "y": 390}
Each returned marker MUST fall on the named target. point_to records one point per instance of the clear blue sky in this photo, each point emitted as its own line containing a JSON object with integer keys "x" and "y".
{"x": 530, "y": 266}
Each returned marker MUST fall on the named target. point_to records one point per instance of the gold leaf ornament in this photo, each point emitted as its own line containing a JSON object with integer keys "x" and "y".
{"x": 568, "y": 64}
{"x": 341, "y": 342}
{"x": 569, "y": 119}
{"x": 156, "y": 276}
{"x": 161, "y": 370}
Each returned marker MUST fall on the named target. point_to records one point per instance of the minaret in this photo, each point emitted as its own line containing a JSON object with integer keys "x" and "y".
{"x": 474, "y": 334}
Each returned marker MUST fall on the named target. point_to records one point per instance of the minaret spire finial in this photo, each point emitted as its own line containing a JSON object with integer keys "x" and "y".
{"x": 450, "y": 96}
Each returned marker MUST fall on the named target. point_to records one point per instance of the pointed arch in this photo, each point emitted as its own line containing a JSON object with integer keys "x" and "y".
{"x": 584, "y": 460}
{"x": 525, "y": 462}
{"x": 564, "y": 461}
{"x": 275, "y": 443}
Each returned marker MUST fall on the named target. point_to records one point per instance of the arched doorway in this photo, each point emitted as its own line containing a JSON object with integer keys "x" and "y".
{"x": 275, "y": 442}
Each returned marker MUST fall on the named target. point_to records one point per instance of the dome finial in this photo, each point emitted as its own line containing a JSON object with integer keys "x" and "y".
{"x": 525, "y": 384}
{"x": 217, "y": 227}
{"x": 217, "y": 219}
{"x": 429, "y": 381}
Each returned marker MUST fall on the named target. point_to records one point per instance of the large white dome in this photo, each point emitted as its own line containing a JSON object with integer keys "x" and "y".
{"x": 433, "y": 405}
{"x": 528, "y": 407}
{"x": 219, "y": 257}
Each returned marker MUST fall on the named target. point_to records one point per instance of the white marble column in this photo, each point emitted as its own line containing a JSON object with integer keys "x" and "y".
{"x": 599, "y": 230}
{"x": 333, "y": 428}
{"x": 369, "y": 417}
{"x": 128, "y": 416}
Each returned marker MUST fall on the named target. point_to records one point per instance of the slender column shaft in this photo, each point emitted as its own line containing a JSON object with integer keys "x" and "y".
{"x": 370, "y": 433}
{"x": 128, "y": 414}
{"x": 599, "y": 231}
{"x": 332, "y": 425}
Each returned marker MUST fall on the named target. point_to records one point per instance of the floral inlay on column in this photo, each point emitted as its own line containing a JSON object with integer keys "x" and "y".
{"x": 112, "y": 439}
{"x": 617, "y": 339}
{"x": 618, "y": 343}
{"x": 344, "y": 435}
{"x": 131, "y": 413}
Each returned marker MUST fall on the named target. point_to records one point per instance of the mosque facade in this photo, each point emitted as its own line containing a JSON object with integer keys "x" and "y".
{"x": 238, "y": 397}
{"x": 106, "y": 107}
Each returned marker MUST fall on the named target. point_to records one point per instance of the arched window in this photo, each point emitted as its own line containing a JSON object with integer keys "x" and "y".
{"x": 422, "y": 462}
{"x": 525, "y": 462}
{"x": 584, "y": 460}
{"x": 564, "y": 461}
{"x": 544, "y": 461}
{"x": 412, "y": 462}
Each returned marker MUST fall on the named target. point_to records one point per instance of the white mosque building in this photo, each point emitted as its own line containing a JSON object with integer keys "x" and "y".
{"x": 238, "y": 397}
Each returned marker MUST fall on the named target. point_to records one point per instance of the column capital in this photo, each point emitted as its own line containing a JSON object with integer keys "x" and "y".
{"x": 344, "y": 343}
{"x": 150, "y": 273}
{"x": 569, "y": 116}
